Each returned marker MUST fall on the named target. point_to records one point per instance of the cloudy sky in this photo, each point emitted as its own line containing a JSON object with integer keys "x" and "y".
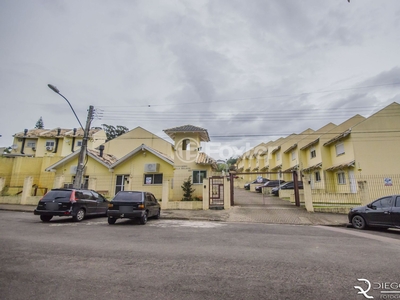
{"x": 248, "y": 71}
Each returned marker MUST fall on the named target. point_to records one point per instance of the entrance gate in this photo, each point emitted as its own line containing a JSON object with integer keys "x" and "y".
{"x": 216, "y": 192}
{"x": 295, "y": 180}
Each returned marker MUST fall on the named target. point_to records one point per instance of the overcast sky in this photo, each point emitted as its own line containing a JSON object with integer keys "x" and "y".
{"x": 247, "y": 71}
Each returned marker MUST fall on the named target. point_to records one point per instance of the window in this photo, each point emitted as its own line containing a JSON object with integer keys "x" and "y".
{"x": 397, "y": 204}
{"x": 31, "y": 145}
{"x": 49, "y": 143}
{"x": 313, "y": 153}
{"x": 153, "y": 178}
{"x": 79, "y": 143}
{"x": 85, "y": 181}
{"x": 383, "y": 203}
{"x": 198, "y": 176}
{"x": 278, "y": 156}
{"x": 341, "y": 178}
{"x": 317, "y": 176}
{"x": 293, "y": 155}
{"x": 186, "y": 144}
{"x": 339, "y": 149}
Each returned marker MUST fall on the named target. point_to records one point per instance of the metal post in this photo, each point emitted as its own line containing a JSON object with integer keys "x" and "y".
{"x": 231, "y": 184}
{"x": 296, "y": 188}
{"x": 82, "y": 154}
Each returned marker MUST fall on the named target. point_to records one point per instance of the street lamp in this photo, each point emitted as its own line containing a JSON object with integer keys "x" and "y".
{"x": 82, "y": 154}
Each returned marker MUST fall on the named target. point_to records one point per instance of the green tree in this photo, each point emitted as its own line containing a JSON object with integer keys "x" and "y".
{"x": 39, "y": 124}
{"x": 187, "y": 189}
{"x": 113, "y": 132}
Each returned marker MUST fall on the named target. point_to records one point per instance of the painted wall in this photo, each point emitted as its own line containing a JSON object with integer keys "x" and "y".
{"x": 125, "y": 143}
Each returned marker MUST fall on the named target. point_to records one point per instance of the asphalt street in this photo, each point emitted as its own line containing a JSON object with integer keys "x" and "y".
{"x": 189, "y": 259}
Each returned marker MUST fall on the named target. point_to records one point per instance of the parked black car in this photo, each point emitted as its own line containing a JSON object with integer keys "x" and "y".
{"x": 383, "y": 212}
{"x": 133, "y": 205}
{"x": 247, "y": 185}
{"x": 270, "y": 183}
{"x": 75, "y": 203}
{"x": 286, "y": 186}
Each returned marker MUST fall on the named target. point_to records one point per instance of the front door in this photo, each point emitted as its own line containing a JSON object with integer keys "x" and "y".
{"x": 120, "y": 182}
{"x": 380, "y": 211}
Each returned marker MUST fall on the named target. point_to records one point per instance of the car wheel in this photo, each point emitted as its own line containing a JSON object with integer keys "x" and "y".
{"x": 358, "y": 222}
{"x": 111, "y": 221}
{"x": 46, "y": 218}
{"x": 143, "y": 219}
{"x": 157, "y": 216}
{"x": 80, "y": 215}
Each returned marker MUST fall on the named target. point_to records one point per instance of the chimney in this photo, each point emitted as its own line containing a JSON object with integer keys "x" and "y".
{"x": 101, "y": 148}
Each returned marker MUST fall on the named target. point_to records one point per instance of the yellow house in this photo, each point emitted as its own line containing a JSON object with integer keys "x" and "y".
{"x": 33, "y": 150}
{"x": 143, "y": 167}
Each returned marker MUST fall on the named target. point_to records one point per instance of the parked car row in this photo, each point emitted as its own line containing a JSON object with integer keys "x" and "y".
{"x": 269, "y": 184}
{"x": 258, "y": 180}
{"x": 275, "y": 185}
{"x": 79, "y": 203}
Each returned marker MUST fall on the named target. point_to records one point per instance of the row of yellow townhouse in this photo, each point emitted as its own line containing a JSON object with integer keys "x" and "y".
{"x": 340, "y": 165}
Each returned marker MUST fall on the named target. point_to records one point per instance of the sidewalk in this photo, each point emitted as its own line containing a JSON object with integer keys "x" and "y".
{"x": 288, "y": 214}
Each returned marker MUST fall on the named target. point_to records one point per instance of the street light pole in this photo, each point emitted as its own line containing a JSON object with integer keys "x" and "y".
{"x": 82, "y": 154}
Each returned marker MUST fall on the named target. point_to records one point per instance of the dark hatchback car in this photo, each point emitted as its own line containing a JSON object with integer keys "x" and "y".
{"x": 383, "y": 212}
{"x": 133, "y": 205}
{"x": 75, "y": 203}
{"x": 247, "y": 185}
{"x": 269, "y": 184}
{"x": 286, "y": 186}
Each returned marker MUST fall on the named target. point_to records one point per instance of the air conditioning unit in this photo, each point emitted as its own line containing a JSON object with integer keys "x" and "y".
{"x": 151, "y": 167}
{"x": 33, "y": 148}
{"x": 49, "y": 148}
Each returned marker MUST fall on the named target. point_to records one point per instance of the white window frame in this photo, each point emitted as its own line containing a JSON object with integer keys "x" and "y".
{"x": 339, "y": 149}
{"x": 152, "y": 176}
{"x": 293, "y": 154}
{"x": 79, "y": 144}
{"x": 50, "y": 143}
{"x": 31, "y": 144}
{"x": 341, "y": 177}
{"x": 278, "y": 155}
{"x": 196, "y": 178}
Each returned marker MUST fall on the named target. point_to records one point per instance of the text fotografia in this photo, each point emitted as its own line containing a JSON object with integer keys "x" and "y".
{"x": 388, "y": 290}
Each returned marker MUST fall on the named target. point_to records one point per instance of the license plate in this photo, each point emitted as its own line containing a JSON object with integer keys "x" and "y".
{"x": 52, "y": 206}
{"x": 125, "y": 209}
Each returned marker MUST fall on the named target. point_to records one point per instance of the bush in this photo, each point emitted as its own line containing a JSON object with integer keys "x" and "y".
{"x": 187, "y": 189}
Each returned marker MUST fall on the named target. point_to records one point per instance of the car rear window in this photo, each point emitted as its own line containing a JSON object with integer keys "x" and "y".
{"x": 57, "y": 195}
{"x": 128, "y": 196}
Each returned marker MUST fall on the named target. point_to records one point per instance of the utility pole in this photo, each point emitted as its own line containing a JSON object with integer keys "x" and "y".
{"x": 82, "y": 154}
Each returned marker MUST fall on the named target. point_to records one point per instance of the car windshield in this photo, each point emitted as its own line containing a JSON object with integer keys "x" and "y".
{"x": 128, "y": 196}
{"x": 57, "y": 195}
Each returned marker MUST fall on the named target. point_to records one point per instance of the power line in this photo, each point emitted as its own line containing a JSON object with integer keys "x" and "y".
{"x": 264, "y": 97}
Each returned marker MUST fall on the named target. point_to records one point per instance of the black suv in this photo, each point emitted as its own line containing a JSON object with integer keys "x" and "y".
{"x": 133, "y": 205}
{"x": 75, "y": 203}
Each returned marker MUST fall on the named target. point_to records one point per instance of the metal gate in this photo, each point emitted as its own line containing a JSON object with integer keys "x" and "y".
{"x": 216, "y": 194}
